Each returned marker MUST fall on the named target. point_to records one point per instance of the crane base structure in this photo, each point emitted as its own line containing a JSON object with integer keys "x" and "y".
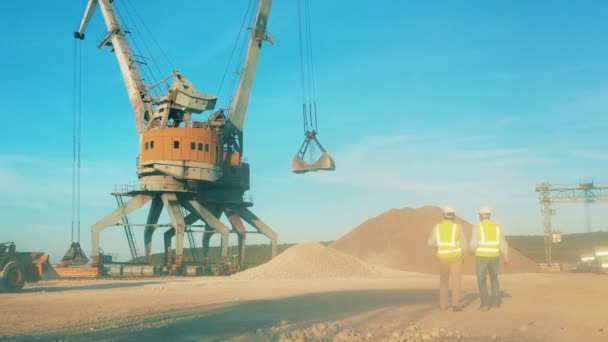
{"x": 185, "y": 207}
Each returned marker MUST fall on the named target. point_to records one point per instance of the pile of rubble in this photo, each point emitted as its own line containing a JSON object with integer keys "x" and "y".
{"x": 285, "y": 332}
{"x": 412, "y": 333}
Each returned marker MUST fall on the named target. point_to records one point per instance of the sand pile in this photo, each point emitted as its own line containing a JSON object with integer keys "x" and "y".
{"x": 398, "y": 239}
{"x": 314, "y": 260}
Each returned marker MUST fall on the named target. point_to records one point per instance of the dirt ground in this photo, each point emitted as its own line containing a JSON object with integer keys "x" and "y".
{"x": 536, "y": 307}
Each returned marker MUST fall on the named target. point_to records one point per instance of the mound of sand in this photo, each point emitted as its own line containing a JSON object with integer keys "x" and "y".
{"x": 398, "y": 239}
{"x": 311, "y": 260}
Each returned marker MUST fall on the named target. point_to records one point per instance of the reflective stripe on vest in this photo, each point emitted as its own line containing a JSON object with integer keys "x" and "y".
{"x": 488, "y": 244}
{"x": 447, "y": 237}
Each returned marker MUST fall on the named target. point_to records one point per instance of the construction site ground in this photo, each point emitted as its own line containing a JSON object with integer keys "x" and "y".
{"x": 537, "y": 307}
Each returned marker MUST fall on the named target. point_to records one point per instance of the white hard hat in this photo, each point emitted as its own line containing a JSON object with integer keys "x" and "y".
{"x": 484, "y": 209}
{"x": 449, "y": 209}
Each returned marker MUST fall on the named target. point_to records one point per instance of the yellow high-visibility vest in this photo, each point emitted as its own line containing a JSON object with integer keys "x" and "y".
{"x": 447, "y": 237}
{"x": 488, "y": 239}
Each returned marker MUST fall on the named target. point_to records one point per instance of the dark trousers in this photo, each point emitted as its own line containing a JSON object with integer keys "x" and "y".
{"x": 485, "y": 266}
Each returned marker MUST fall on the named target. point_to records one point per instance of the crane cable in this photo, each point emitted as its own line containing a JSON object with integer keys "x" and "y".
{"x": 242, "y": 43}
{"x": 158, "y": 46}
{"x": 307, "y": 77}
{"x": 236, "y": 44}
{"x": 76, "y": 135}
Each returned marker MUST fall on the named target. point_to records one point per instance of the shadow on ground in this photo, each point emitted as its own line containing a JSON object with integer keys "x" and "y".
{"x": 213, "y": 323}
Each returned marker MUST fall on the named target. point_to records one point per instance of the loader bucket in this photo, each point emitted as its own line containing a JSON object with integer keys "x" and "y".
{"x": 47, "y": 272}
{"x": 324, "y": 163}
{"x": 42, "y": 268}
{"x": 35, "y": 266}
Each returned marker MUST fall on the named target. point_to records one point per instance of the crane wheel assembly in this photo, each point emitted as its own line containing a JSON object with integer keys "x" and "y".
{"x": 145, "y": 271}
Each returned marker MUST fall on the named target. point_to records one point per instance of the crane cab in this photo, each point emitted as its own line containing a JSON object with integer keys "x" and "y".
{"x": 187, "y": 153}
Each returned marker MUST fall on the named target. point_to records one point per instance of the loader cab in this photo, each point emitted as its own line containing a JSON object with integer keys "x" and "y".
{"x": 7, "y": 248}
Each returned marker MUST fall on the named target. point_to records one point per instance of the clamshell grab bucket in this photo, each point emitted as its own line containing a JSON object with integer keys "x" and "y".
{"x": 325, "y": 162}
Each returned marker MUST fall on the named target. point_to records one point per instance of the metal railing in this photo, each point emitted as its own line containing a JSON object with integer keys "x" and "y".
{"x": 127, "y": 187}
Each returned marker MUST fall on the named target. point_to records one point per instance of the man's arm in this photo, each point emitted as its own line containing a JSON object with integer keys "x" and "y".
{"x": 431, "y": 240}
{"x": 463, "y": 242}
{"x": 504, "y": 247}
{"x": 473, "y": 244}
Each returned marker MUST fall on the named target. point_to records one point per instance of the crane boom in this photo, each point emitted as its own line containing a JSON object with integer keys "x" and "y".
{"x": 130, "y": 73}
{"x": 236, "y": 120}
{"x": 88, "y": 12}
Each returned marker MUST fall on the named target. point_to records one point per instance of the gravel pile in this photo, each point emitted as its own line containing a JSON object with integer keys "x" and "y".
{"x": 314, "y": 260}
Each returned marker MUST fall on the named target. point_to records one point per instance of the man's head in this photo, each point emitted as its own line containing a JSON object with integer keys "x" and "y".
{"x": 449, "y": 212}
{"x": 484, "y": 213}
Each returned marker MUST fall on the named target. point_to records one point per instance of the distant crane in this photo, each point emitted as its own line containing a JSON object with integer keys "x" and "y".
{"x": 548, "y": 195}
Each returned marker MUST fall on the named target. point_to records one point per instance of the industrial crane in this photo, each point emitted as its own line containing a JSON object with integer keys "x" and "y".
{"x": 550, "y": 194}
{"x": 191, "y": 168}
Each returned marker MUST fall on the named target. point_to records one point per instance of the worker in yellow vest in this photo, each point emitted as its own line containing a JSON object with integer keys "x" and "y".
{"x": 447, "y": 237}
{"x": 488, "y": 242}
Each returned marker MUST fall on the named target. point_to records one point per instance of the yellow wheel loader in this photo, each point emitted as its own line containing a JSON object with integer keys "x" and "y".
{"x": 18, "y": 268}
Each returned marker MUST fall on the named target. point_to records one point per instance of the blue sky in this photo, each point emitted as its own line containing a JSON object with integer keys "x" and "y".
{"x": 420, "y": 102}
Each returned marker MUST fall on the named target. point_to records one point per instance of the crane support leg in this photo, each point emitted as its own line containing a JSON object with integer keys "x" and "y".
{"x": 212, "y": 221}
{"x": 169, "y": 234}
{"x": 206, "y": 239}
{"x": 134, "y": 203}
{"x": 177, "y": 221}
{"x": 241, "y": 231}
{"x": 191, "y": 218}
{"x": 156, "y": 209}
{"x": 225, "y": 238}
{"x": 262, "y": 227}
